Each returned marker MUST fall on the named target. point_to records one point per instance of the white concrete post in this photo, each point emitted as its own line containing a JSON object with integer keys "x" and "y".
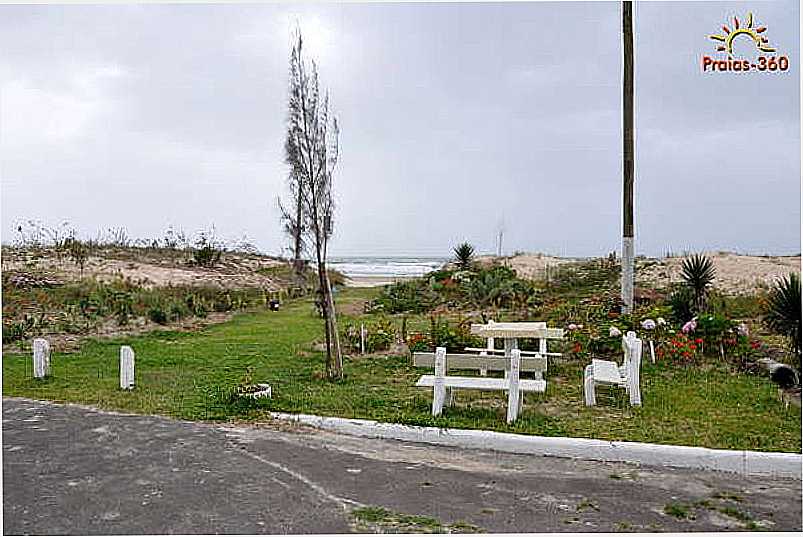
{"x": 41, "y": 358}
{"x": 634, "y": 377}
{"x": 627, "y": 274}
{"x": 513, "y": 395}
{"x": 126, "y": 367}
{"x": 362, "y": 338}
{"x": 439, "y": 389}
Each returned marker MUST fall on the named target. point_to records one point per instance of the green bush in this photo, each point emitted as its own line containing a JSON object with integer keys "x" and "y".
{"x": 413, "y": 296}
{"x": 379, "y": 336}
{"x": 714, "y": 329}
{"x": 157, "y": 315}
{"x": 455, "y": 337}
{"x": 698, "y": 274}
{"x": 464, "y": 255}
{"x": 783, "y": 311}
{"x": 681, "y": 301}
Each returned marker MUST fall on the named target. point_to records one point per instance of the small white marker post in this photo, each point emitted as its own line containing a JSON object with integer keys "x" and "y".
{"x": 362, "y": 338}
{"x": 439, "y": 388}
{"x": 126, "y": 367}
{"x": 513, "y": 396}
{"x": 41, "y": 358}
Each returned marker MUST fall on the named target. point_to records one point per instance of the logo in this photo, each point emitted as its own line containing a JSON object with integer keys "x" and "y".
{"x": 746, "y": 32}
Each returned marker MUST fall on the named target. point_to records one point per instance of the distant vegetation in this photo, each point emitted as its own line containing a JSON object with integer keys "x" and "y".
{"x": 205, "y": 250}
{"x": 40, "y": 298}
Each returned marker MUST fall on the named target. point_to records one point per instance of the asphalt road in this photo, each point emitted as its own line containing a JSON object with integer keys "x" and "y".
{"x": 76, "y": 470}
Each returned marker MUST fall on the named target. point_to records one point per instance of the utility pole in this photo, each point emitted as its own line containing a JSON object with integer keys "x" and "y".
{"x": 627, "y": 159}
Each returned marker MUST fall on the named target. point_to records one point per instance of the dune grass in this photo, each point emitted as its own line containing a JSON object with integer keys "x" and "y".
{"x": 191, "y": 376}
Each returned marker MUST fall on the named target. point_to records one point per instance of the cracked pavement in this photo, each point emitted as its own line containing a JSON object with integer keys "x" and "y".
{"x": 69, "y": 469}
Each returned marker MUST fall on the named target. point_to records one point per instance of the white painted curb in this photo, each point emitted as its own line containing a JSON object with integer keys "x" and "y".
{"x": 741, "y": 462}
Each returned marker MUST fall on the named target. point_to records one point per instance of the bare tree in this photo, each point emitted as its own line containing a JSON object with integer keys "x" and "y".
{"x": 311, "y": 150}
{"x": 627, "y": 158}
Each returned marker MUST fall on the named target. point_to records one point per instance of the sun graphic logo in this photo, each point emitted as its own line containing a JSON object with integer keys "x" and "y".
{"x": 762, "y": 62}
{"x": 762, "y": 43}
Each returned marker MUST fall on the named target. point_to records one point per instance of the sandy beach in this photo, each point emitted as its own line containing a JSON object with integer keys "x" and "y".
{"x": 374, "y": 281}
{"x": 735, "y": 273}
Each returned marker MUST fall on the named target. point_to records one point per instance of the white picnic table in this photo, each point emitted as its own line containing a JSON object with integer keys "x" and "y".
{"x": 512, "y": 332}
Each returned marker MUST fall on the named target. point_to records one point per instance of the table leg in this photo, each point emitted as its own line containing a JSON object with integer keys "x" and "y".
{"x": 510, "y": 344}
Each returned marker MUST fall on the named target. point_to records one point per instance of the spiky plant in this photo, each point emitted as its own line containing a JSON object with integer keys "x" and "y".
{"x": 782, "y": 310}
{"x": 464, "y": 254}
{"x": 698, "y": 274}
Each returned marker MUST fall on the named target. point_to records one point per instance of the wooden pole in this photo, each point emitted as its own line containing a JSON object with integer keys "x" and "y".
{"x": 627, "y": 159}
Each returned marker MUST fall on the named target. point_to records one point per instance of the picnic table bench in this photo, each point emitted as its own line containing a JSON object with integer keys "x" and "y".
{"x": 444, "y": 386}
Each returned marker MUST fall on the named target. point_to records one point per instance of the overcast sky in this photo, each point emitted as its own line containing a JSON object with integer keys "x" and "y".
{"x": 455, "y": 118}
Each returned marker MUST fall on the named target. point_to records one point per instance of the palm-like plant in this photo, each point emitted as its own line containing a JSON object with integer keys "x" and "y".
{"x": 698, "y": 274}
{"x": 782, "y": 313}
{"x": 464, "y": 253}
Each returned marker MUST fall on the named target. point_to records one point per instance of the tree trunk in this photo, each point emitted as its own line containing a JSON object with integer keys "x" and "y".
{"x": 298, "y": 264}
{"x": 336, "y": 366}
{"x": 334, "y": 357}
{"x": 628, "y": 253}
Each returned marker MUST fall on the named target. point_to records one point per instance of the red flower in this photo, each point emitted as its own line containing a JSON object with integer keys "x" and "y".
{"x": 698, "y": 340}
{"x": 754, "y": 344}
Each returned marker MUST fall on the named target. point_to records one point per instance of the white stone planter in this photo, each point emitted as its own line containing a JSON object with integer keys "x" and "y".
{"x": 255, "y": 391}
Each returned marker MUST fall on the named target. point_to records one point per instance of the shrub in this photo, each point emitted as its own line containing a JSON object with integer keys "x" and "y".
{"x": 582, "y": 341}
{"x": 78, "y": 252}
{"x": 414, "y": 296}
{"x": 379, "y": 336}
{"x": 681, "y": 301}
{"x": 207, "y": 251}
{"x": 782, "y": 313}
{"x": 464, "y": 255}
{"x": 714, "y": 329}
{"x": 680, "y": 348}
{"x": 177, "y": 311}
{"x": 454, "y": 337}
{"x": 698, "y": 274}
{"x": 418, "y": 342}
{"x": 157, "y": 315}
{"x": 500, "y": 287}
{"x": 223, "y": 302}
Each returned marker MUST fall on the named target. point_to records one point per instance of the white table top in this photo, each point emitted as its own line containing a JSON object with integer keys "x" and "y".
{"x": 517, "y": 330}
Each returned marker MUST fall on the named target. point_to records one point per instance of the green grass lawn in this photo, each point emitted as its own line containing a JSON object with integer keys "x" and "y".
{"x": 189, "y": 375}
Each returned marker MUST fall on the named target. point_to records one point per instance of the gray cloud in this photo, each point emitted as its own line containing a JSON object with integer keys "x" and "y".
{"x": 454, "y": 117}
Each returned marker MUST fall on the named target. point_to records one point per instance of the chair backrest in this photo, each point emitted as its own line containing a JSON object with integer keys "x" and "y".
{"x": 627, "y": 346}
{"x": 632, "y": 347}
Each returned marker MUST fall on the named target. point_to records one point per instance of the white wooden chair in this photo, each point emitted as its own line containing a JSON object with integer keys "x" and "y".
{"x": 610, "y": 374}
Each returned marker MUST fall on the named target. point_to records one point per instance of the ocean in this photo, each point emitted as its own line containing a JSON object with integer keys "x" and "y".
{"x": 385, "y": 267}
